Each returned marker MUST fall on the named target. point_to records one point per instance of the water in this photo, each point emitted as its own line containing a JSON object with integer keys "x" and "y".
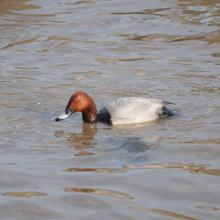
{"x": 166, "y": 169}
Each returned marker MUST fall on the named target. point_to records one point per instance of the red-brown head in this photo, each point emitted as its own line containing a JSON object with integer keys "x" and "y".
{"x": 80, "y": 102}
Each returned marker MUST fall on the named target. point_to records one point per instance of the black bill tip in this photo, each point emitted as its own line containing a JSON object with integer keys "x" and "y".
{"x": 58, "y": 119}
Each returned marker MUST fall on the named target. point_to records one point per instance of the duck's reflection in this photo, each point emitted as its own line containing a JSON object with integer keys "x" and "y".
{"x": 86, "y": 137}
{"x": 83, "y": 140}
{"x": 126, "y": 148}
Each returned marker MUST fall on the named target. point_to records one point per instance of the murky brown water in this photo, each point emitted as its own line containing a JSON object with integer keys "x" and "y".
{"x": 167, "y": 169}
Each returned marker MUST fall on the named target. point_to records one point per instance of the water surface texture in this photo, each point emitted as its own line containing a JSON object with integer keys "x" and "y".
{"x": 162, "y": 49}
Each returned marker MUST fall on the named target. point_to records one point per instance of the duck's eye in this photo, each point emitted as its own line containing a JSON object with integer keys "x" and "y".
{"x": 77, "y": 100}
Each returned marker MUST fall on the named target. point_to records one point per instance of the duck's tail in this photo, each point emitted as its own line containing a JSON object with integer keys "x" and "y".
{"x": 167, "y": 112}
{"x": 168, "y": 103}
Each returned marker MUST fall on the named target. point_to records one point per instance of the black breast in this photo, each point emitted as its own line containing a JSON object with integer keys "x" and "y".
{"x": 104, "y": 116}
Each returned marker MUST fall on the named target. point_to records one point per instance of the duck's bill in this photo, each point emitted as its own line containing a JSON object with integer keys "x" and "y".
{"x": 64, "y": 115}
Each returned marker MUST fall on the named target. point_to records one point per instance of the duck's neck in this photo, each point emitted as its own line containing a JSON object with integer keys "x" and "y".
{"x": 90, "y": 114}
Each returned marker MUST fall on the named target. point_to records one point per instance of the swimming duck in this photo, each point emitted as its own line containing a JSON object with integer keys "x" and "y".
{"x": 121, "y": 111}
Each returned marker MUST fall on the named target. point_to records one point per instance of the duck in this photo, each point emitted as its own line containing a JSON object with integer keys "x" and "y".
{"x": 127, "y": 110}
